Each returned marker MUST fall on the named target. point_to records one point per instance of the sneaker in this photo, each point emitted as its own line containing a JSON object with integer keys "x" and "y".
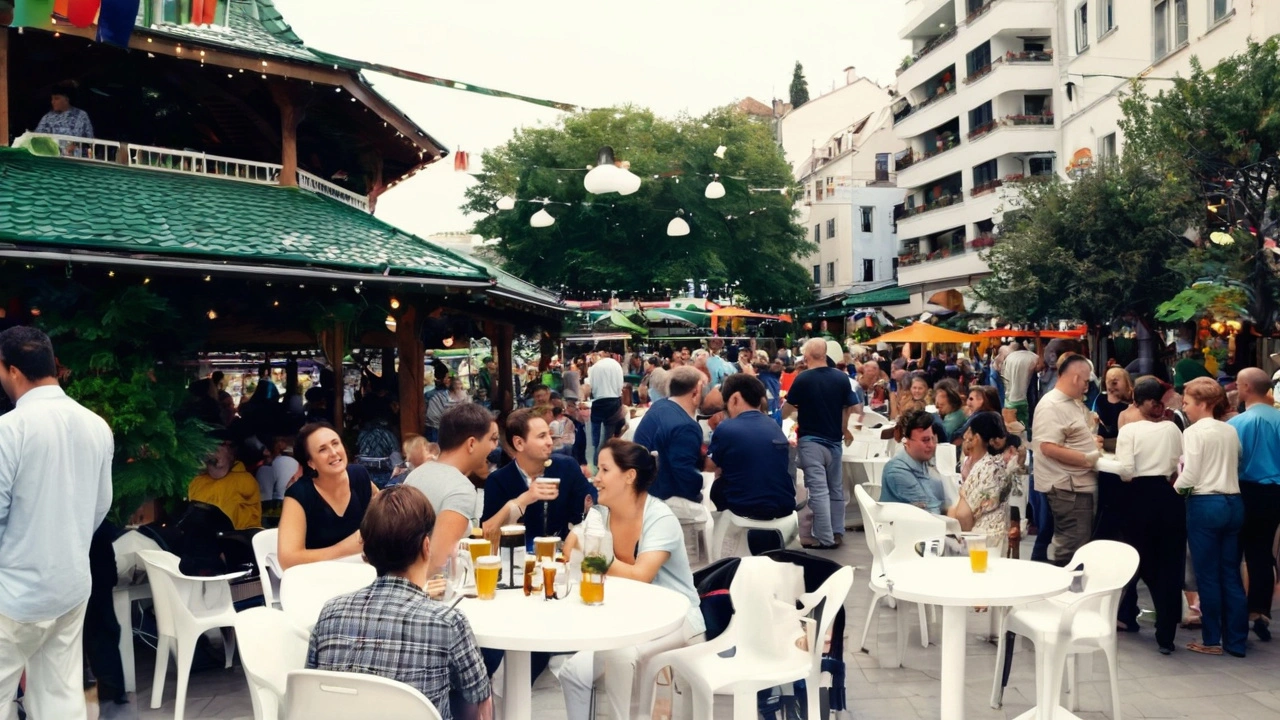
{"x": 1261, "y": 629}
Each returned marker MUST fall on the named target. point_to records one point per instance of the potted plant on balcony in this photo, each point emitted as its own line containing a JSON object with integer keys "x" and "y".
{"x": 907, "y": 62}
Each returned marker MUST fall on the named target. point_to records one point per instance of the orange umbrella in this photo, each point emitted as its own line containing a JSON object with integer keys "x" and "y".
{"x": 737, "y": 312}
{"x": 922, "y": 332}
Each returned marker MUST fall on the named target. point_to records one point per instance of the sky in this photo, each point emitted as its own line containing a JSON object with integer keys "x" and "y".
{"x": 668, "y": 55}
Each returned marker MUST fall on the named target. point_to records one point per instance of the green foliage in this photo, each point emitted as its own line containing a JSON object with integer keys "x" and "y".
{"x": 119, "y": 345}
{"x": 799, "y": 87}
{"x": 1221, "y": 301}
{"x": 1105, "y": 245}
{"x": 616, "y": 243}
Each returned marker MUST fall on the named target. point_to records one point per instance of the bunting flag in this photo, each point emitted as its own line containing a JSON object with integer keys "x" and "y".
{"x": 81, "y": 13}
{"x": 33, "y": 14}
{"x": 115, "y": 21}
{"x": 461, "y": 161}
{"x": 203, "y": 12}
{"x": 61, "y": 7}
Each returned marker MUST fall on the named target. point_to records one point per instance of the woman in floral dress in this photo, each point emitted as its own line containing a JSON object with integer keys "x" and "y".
{"x": 984, "y": 497}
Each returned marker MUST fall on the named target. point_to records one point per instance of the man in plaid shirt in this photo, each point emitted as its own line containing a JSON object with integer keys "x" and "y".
{"x": 391, "y": 628}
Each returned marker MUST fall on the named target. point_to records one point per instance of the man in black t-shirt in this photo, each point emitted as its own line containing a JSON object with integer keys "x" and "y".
{"x": 824, "y": 400}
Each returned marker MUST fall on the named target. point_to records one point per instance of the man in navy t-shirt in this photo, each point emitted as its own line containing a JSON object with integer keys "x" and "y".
{"x": 823, "y": 399}
{"x": 750, "y": 452}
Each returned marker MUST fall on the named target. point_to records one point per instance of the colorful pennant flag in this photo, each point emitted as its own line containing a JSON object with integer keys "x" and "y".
{"x": 461, "y": 161}
{"x": 60, "y": 7}
{"x": 203, "y": 12}
{"x": 33, "y": 13}
{"x": 115, "y": 21}
{"x": 81, "y": 13}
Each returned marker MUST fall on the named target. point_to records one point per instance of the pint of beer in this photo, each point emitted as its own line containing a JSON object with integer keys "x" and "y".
{"x": 487, "y": 569}
{"x": 545, "y": 547}
{"x": 479, "y": 547}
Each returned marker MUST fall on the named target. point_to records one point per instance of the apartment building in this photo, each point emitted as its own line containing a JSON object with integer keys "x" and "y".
{"x": 975, "y": 107}
{"x": 849, "y": 185}
{"x": 1110, "y": 41}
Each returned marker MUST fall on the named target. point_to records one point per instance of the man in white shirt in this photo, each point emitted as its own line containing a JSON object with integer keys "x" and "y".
{"x": 1066, "y": 451}
{"x": 604, "y": 387}
{"x": 55, "y": 489}
{"x": 1016, "y": 372}
{"x": 1147, "y": 453}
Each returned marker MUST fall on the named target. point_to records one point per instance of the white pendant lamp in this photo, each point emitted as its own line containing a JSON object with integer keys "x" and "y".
{"x": 542, "y": 219}
{"x": 607, "y": 177}
{"x": 678, "y": 227}
{"x": 628, "y": 182}
{"x": 506, "y": 202}
{"x": 715, "y": 190}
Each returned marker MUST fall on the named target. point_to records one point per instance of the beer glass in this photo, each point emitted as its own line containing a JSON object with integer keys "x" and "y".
{"x": 478, "y": 547}
{"x": 487, "y": 569}
{"x": 544, "y": 547}
{"x": 977, "y": 546}
{"x": 554, "y": 574}
{"x": 546, "y": 504}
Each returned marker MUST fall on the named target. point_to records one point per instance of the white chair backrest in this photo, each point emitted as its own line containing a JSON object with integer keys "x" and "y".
{"x": 322, "y": 695}
{"x": 946, "y": 458}
{"x": 907, "y": 525}
{"x": 270, "y": 646}
{"x": 265, "y": 543}
{"x": 305, "y": 589}
{"x": 162, "y": 569}
{"x": 870, "y": 510}
{"x": 764, "y": 594}
{"x": 873, "y": 419}
{"x": 858, "y": 450}
{"x": 824, "y": 603}
{"x": 1108, "y": 567}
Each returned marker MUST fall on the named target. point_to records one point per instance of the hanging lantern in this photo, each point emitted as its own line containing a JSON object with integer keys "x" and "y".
{"x": 461, "y": 161}
{"x": 506, "y": 202}
{"x": 542, "y": 219}
{"x": 715, "y": 190}
{"x": 678, "y": 227}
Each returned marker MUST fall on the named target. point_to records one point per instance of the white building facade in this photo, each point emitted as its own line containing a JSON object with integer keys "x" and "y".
{"x": 976, "y": 110}
{"x": 849, "y": 185}
{"x": 1109, "y": 41}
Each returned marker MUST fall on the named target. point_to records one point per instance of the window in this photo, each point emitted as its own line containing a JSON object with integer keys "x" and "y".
{"x": 1220, "y": 9}
{"x": 980, "y": 116}
{"x": 895, "y": 268}
{"x": 1034, "y": 104}
{"x": 831, "y": 273}
{"x": 882, "y": 167}
{"x": 1041, "y": 166}
{"x": 1107, "y": 147}
{"x": 1106, "y": 17}
{"x": 817, "y": 233}
{"x": 867, "y": 213}
{"x": 817, "y": 274}
{"x": 817, "y": 189}
{"x": 831, "y": 186}
{"x": 984, "y": 175}
{"x": 1082, "y": 27}
{"x": 1169, "y": 26}
{"x": 831, "y": 228}
{"x": 978, "y": 59}
{"x": 868, "y": 270}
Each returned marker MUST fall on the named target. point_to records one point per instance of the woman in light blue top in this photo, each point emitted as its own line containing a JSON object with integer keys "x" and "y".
{"x": 648, "y": 546}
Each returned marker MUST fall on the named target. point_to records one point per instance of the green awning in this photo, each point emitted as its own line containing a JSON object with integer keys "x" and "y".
{"x": 615, "y": 319}
{"x": 688, "y": 318}
{"x": 879, "y": 298}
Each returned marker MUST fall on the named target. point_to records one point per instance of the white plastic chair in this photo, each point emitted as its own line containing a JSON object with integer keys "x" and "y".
{"x": 324, "y": 695}
{"x": 946, "y": 459}
{"x": 305, "y": 589}
{"x": 264, "y": 544}
{"x": 186, "y": 607}
{"x": 270, "y": 647}
{"x": 873, "y": 419}
{"x": 765, "y": 633}
{"x": 1072, "y": 623}
{"x": 788, "y": 527}
{"x": 892, "y": 531}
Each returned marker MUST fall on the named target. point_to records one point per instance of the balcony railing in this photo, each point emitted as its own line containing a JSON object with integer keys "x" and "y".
{"x": 979, "y": 11}
{"x": 983, "y": 129}
{"x": 907, "y": 160}
{"x": 982, "y": 241}
{"x": 942, "y": 202}
{"x": 1019, "y": 120}
{"x": 190, "y": 162}
{"x": 911, "y": 110}
{"x": 986, "y": 187}
{"x": 1014, "y": 58}
{"x": 939, "y": 149}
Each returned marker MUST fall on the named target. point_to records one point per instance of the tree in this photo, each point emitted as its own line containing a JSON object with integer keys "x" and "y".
{"x": 1217, "y": 134}
{"x": 608, "y": 244}
{"x": 799, "y": 87}
{"x": 1106, "y": 245}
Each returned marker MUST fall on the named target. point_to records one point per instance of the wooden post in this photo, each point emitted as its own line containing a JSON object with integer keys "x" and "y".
{"x": 4, "y": 87}
{"x": 411, "y": 352}
{"x": 290, "y": 116}
{"x": 333, "y": 342}
{"x": 503, "y": 386}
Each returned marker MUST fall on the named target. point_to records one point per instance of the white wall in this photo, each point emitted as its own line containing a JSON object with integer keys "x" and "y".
{"x": 813, "y": 123}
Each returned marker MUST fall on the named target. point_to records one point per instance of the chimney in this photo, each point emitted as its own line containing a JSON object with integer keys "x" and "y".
{"x": 850, "y": 75}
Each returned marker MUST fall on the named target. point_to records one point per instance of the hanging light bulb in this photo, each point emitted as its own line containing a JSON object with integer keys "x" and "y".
{"x": 604, "y": 177}
{"x": 506, "y": 202}
{"x": 391, "y": 323}
{"x": 542, "y": 219}
{"x": 395, "y": 304}
{"x": 715, "y": 190}
{"x": 678, "y": 227}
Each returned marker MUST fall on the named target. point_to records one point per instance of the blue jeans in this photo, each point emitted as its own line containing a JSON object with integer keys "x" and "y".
{"x": 1044, "y": 524}
{"x": 606, "y": 422}
{"x": 1213, "y": 532}
{"x": 820, "y": 461}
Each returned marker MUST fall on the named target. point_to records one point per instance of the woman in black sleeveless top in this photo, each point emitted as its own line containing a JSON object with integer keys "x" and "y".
{"x": 322, "y": 511}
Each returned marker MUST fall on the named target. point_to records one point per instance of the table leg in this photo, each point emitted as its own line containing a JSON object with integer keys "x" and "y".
{"x": 516, "y": 693}
{"x": 953, "y": 652}
{"x": 122, "y": 605}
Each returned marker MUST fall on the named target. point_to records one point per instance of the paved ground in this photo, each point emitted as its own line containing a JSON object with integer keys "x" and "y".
{"x": 1151, "y": 685}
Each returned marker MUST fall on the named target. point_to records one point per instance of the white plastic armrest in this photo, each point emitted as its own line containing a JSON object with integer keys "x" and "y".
{"x": 217, "y": 578}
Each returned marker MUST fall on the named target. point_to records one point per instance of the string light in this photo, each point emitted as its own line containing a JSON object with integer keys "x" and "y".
{"x": 715, "y": 190}
{"x": 391, "y": 323}
{"x": 506, "y": 202}
{"x": 395, "y": 303}
{"x": 678, "y": 227}
{"x": 212, "y": 315}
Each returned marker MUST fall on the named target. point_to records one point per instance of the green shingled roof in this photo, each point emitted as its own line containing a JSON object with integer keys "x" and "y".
{"x": 62, "y": 204}
{"x": 892, "y": 295}
{"x": 265, "y": 34}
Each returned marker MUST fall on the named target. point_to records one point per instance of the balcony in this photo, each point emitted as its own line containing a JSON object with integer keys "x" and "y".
{"x": 998, "y": 15}
{"x": 929, "y": 114}
{"x": 941, "y": 202}
{"x": 924, "y": 17}
{"x": 953, "y": 261}
{"x": 987, "y": 187}
{"x": 189, "y": 162}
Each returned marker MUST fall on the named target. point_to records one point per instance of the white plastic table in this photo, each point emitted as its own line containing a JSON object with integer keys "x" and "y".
{"x": 950, "y": 583}
{"x": 632, "y": 613}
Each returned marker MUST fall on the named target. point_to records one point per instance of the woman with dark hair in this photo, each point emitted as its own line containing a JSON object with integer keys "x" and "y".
{"x": 648, "y": 546}
{"x": 984, "y": 496}
{"x": 320, "y": 519}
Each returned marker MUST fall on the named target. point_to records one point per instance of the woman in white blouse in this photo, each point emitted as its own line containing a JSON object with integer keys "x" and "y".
{"x": 1155, "y": 523}
{"x": 1215, "y": 515}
